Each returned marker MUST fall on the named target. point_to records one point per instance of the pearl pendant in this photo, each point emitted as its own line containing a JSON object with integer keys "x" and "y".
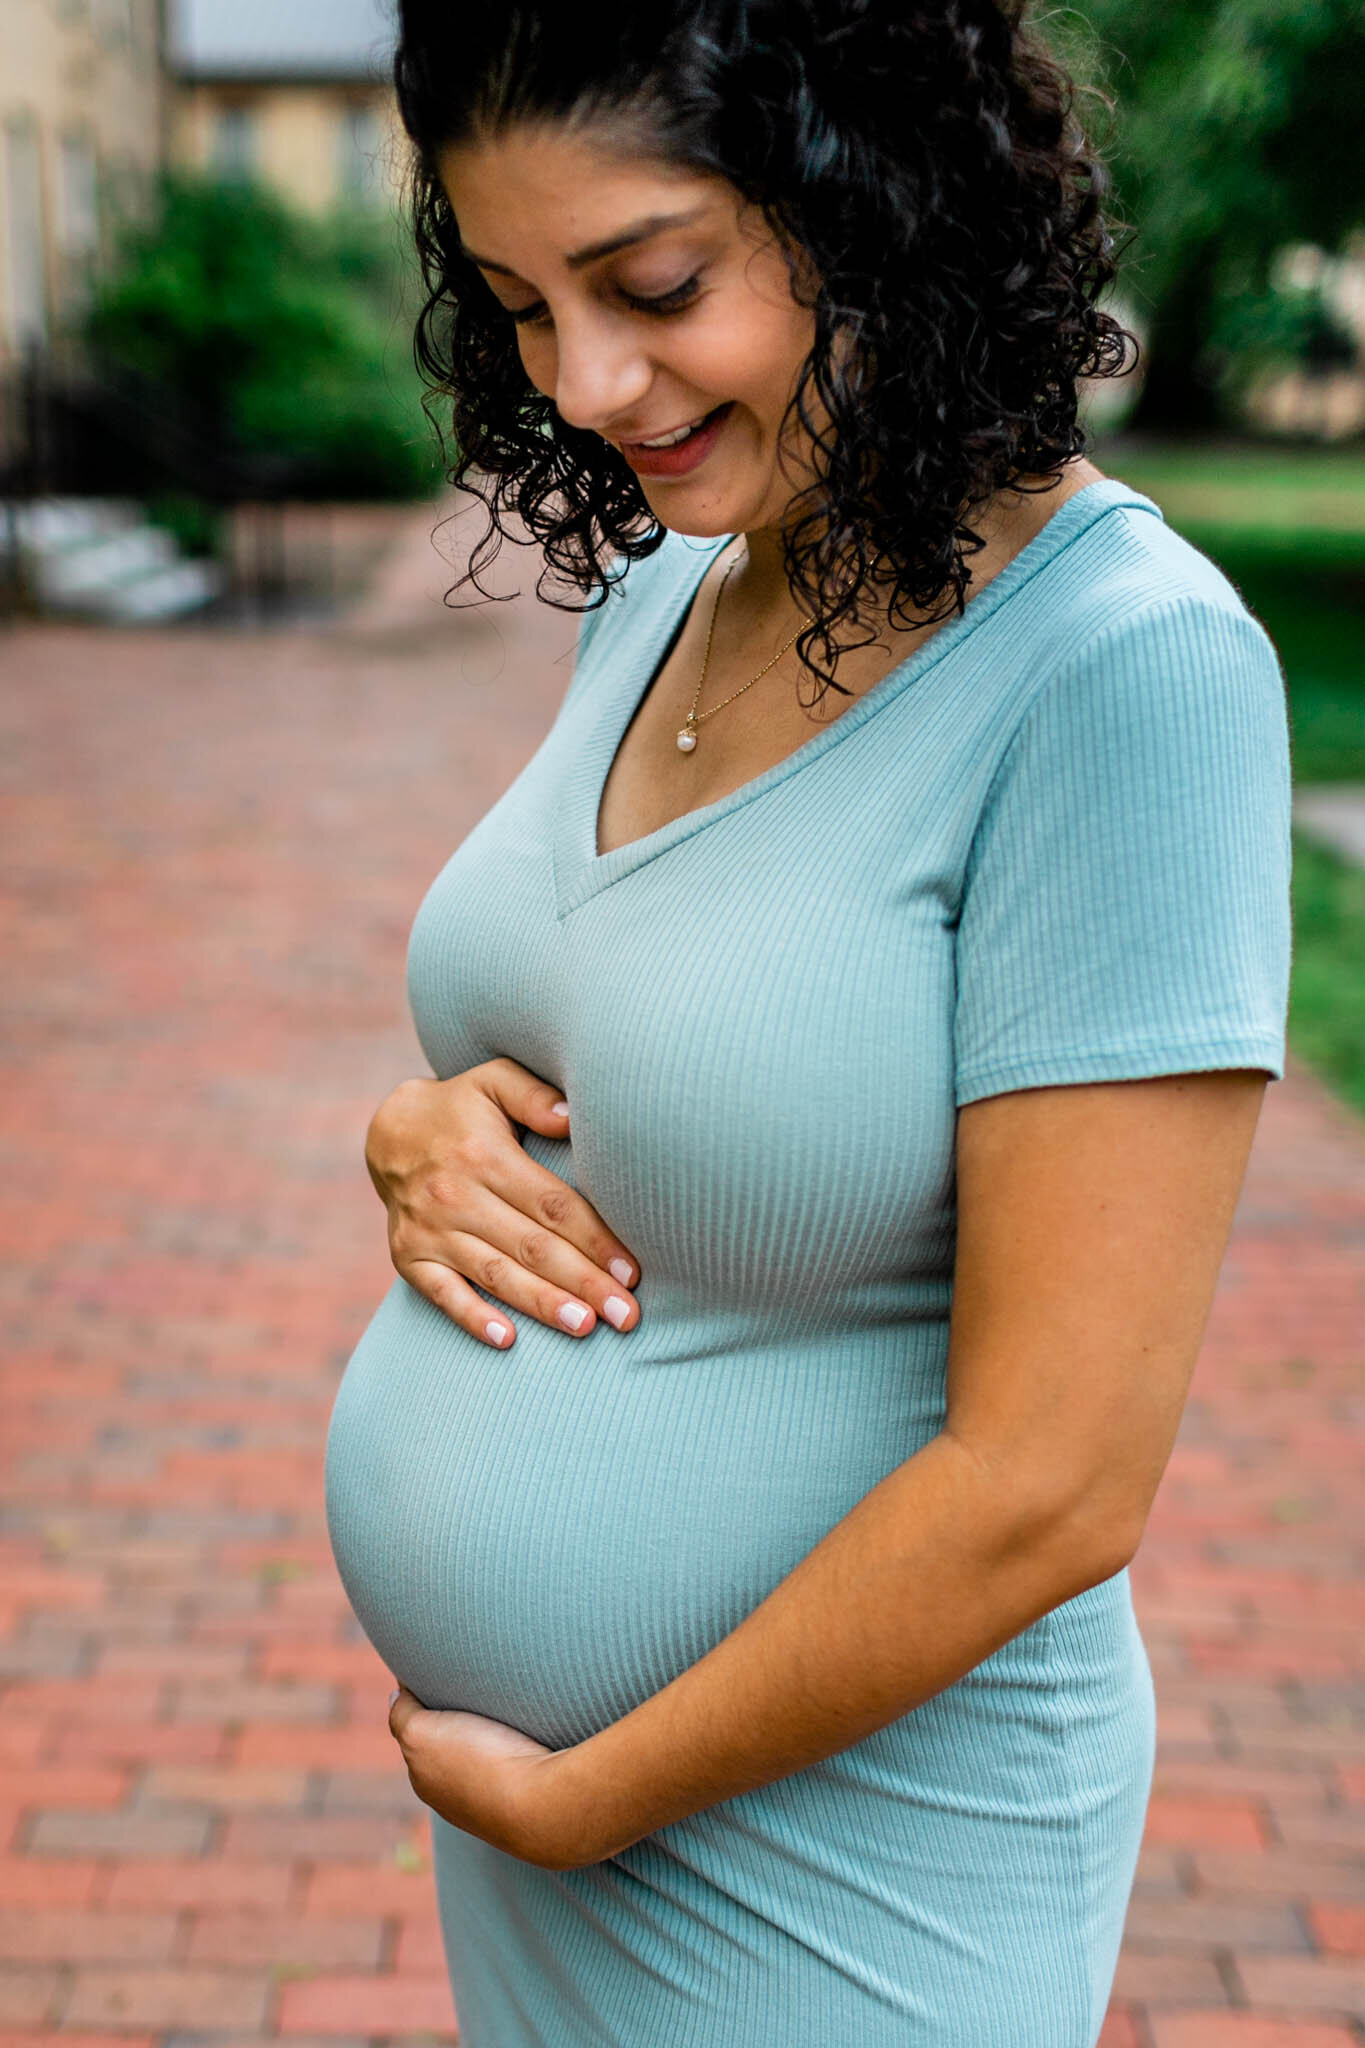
{"x": 687, "y": 739}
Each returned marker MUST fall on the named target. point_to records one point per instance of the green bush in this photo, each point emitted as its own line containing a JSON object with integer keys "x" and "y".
{"x": 1327, "y": 994}
{"x": 288, "y": 334}
{"x": 1234, "y": 124}
{"x": 1278, "y": 328}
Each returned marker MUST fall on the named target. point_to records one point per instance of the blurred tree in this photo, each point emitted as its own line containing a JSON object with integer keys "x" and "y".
{"x": 279, "y": 330}
{"x": 1284, "y": 324}
{"x": 1238, "y": 130}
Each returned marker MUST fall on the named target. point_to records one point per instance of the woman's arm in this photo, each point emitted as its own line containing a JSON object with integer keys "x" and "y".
{"x": 1092, "y": 1221}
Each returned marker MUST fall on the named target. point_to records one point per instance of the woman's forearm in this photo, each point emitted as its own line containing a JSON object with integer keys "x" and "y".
{"x": 925, "y": 1577}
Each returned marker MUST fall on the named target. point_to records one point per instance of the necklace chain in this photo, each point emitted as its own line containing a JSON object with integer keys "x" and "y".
{"x": 687, "y": 738}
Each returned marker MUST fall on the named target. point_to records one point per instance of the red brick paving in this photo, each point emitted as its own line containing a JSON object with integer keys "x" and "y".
{"x": 217, "y": 844}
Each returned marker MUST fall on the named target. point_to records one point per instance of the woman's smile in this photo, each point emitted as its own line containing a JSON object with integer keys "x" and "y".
{"x": 681, "y": 454}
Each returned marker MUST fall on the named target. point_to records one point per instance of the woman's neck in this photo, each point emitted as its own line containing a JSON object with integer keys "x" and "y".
{"x": 759, "y": 593}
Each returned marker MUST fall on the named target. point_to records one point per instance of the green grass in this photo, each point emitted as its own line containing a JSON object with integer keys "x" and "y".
{"x": 1268, "y": 494}
{"x": 1327, "y": 990}
{"x": 1287, "y": 526}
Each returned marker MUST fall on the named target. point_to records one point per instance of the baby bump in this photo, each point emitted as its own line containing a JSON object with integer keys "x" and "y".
{"x": 550, "y": 1535}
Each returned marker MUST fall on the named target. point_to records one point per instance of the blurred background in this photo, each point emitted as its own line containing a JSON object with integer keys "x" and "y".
{"x": 205, "y": 316}
{"x": 239, "y": 734}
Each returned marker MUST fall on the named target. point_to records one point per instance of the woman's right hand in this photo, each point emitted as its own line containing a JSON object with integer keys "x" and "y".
{"x": 467, "y": 1203}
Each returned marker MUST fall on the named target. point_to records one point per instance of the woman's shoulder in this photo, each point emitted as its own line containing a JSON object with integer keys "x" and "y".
{"x": 1135, "y": 583}
{"x": 1130, "y": 611}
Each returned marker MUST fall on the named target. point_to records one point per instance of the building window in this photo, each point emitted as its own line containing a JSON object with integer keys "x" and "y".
{"x": 234, "y": 142}
{"x": 78, "y": 222}
{"x": 359, "y": 138}
{"x": 79, "y": 197}
{"x": 115, "y": 22}
{"x": 24, "y": 240}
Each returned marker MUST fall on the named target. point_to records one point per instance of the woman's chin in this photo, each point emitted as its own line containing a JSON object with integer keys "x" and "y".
{"x": 707, "y": 513}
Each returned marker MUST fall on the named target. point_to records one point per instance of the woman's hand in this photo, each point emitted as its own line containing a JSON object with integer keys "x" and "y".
{"x": 467, "y": 1204}
{"x": 496, "y": 1783}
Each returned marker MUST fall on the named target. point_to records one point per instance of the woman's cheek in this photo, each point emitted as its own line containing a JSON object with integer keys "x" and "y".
{"x": 538, "y": 361}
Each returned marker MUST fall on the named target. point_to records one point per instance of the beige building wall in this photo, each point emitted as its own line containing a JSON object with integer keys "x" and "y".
{"x": 82, "y": 124}
{"x": 318, "y": 145}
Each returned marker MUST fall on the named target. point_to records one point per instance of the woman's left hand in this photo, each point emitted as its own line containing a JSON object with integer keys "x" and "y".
{"x": 492, "y": 1781}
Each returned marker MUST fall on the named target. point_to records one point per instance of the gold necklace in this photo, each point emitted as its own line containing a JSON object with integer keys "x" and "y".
{"x": 687, "y": 737}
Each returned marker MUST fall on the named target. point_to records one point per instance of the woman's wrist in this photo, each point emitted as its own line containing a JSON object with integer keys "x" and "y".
{"x": 564, "y": 1815}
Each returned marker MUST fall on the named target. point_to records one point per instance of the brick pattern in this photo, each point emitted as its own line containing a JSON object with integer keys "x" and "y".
{"x": 1248, "y": 1591}
{"x": 204, "y": 1830}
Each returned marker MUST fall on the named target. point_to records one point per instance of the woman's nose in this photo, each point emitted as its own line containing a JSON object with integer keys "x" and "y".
{"x": 601, "y": 376}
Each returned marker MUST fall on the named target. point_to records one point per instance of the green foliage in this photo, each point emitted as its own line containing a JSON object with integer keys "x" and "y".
{"x": 1238, "y": 122}
{"x": 287, "y": 333}
{"x": 195, "y": 525}
{"x": 1274, "y": 329}
{"x": 1237, "y": 129}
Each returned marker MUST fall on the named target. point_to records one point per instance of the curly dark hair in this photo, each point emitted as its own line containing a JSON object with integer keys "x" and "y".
{"x": 930, "y": 161}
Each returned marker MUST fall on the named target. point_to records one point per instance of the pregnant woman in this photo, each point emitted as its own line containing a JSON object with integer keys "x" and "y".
{"x": 848, "y": 1035}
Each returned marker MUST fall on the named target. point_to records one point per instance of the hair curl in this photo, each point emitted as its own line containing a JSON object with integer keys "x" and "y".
{"x": 928, "y": 158}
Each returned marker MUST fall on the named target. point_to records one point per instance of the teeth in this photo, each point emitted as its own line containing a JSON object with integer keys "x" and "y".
{"x": 671, "y": 440}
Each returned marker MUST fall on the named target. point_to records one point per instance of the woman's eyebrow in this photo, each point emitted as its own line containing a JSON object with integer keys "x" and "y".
{"x": 639, "y": 231}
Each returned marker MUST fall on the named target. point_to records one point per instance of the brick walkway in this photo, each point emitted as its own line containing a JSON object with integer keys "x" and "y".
{"x": 218, "y": 845}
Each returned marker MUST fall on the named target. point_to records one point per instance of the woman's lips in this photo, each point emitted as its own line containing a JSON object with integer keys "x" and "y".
{"x": 683, "y": 456}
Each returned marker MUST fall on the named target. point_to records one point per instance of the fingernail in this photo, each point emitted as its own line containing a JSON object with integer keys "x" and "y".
{"x": 573, "y": 1315}
{"x": 559, "y": 1109}
{"x": 620, "y": 1269}
{"x": 615, "y": 1310}
{"x": 496, "y": 1333}
{"x": 393, "y": 1696}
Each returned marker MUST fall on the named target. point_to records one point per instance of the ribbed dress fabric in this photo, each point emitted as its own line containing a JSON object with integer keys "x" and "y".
{"x": 1051, "y": 846}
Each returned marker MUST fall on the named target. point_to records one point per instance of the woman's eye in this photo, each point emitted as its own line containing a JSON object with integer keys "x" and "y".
{"x": 667, "y": 302}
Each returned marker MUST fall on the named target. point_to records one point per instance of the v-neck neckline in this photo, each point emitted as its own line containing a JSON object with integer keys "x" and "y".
{"x": 581, "y": 871}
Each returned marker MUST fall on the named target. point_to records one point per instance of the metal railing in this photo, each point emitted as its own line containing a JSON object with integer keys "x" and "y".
{"x": 73, "y": 426}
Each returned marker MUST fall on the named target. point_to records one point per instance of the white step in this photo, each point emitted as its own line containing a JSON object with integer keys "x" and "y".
{"x": 67, "y": 522}
{"x": 100, "y": 558}
{"x": 165, "y": 594}
{"x": 78, "y": 575}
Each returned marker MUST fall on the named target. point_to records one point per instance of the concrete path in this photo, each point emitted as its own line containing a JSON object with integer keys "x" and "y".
{"x": 1334, "y": 812}
{"x": 216, "y": 845}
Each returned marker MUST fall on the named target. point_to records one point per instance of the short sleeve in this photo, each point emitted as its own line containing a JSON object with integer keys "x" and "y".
{"x": 1125, "y": 909}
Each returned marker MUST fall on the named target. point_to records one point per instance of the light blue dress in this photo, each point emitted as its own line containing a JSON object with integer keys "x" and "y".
{"x": 1051, "y": 846}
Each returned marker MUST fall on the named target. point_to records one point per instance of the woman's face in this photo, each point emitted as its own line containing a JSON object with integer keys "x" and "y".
{"x": 648, "y": 297}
